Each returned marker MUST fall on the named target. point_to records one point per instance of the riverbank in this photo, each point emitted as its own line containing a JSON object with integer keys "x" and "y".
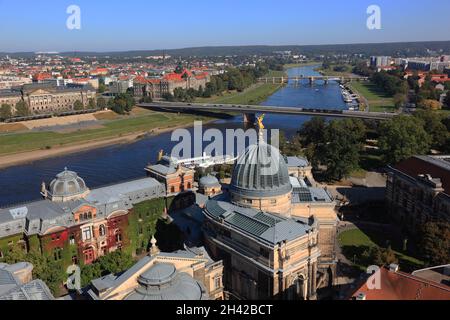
{"x": 23, "y": 148}
{"x": 376, "y": 99}
{"x": 256, "y": 94}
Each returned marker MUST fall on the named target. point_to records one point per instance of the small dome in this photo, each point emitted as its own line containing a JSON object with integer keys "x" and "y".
{"x": 209, "y": 181}
{"x": 261, "y": 171}
{"x": 163, "y": 282}
{"x": 67, "y": 184}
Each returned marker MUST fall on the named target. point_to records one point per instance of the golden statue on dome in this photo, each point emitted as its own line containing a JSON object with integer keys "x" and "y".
{"x": 260, "y": 122}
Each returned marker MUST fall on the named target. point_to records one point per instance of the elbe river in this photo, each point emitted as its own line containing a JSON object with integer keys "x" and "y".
{"x": 124, "y": 162}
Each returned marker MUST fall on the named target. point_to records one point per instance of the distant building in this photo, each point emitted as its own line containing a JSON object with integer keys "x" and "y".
{"x": 10, "y": 97}
{"x": 380, "y": 61}
{"x": 181, "y": 275}
{"x": 176, "y": 178}
{"x": 418, "y": 190}
{"x": 396, "y": 285}
{"x": 42, "y": 98}
{"x": 16, "y": 283}
{"x": 157, "y": 88}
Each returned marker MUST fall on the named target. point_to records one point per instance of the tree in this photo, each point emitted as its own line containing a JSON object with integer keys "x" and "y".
{"x": 429, "y": 104}
{"x": 101, "y": 88}
{"x": 122, "y": 103}
{"x": 435, "y": 242}
{"x": 78, "y": 105}
{"x": 22, "y": 109}
{"x": 341, "y": 152}
{"x": 400, "y": 100}
{"x": 101, "y": 103}
{"x": 401, "y": 138}
{"x": 313, "y": 131}
{"x": 435, "y": 127}
{"x": 91, "y": 104}
{"x": 5, "y": 111}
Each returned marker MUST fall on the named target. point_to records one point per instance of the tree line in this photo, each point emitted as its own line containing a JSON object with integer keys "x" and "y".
{"x": 338, "y": 145}
{"x": 234, "y": 79}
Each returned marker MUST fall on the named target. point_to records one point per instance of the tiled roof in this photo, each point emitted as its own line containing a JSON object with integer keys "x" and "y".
{"x": 403, "y": 286}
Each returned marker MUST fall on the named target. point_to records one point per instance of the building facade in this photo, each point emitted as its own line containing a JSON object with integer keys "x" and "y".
{"x": 175, "y": 177}
{"x": 74, "y": 224}
{"x": 418, "y": 191}
{"x": 47, "y": 98}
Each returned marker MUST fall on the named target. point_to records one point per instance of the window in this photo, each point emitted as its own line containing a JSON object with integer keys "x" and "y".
{"x": 57, "y": 254}
{"x": 87, "y": 234}
{"x": 172, "y": 189}
{"x": 72, "y": 239}
{"x": 102, "y": 230}
{"x": 118, "y": 237}
{"x": 217, "y": 282}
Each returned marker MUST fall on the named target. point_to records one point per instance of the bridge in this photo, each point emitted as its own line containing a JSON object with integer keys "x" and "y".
{"x": 249, "y": 111}
{"x": 311, "y": 79}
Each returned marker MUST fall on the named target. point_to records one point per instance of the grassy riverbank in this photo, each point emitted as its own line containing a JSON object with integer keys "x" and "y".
{"x": 146, "y": 123}
{"x": 377, "y": 99}
{"x": 253, "y": 95}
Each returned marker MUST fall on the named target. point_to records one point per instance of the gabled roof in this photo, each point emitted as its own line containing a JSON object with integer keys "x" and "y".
{"x": 395, "y": 285}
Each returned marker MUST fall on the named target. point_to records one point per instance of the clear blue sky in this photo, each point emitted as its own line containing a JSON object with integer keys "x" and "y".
{"x": 110, "y": 25}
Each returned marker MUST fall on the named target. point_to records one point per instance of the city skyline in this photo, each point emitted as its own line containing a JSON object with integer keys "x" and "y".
{"x": 121, "y": 27}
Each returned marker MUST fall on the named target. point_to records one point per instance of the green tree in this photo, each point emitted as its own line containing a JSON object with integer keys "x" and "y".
{"x": 78, "y": 105}
{"x": 5, "y": 111}
{"x": 400, "y": 100}
{"x": 401, "y": 138}
{"x": 122, "y": 103}
{"x": 435, "y": 242}
{"x": 101, "y": 88}
{"x": 22, "y": 109}
{"x": 91, "y": 104}
{"x": 101, "y": 103}
{"x": 435, "y": 127}
{"x": 341, "y": 152}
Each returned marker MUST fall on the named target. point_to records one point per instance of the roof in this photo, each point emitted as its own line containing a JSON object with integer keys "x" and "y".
{"x": 262, "y": 226}
{"x": 437, "y": 167}
{"x": 11, "y": 288}
{"x": 402, "y": 286}
{"x": 296, "y": 162}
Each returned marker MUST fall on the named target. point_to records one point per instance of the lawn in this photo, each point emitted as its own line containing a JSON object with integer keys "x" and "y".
{"x": 354, "y": 242}
{"x": 378, "y": 100}
{"x": 20, "y": 142}
{"x": 253, "y": 95}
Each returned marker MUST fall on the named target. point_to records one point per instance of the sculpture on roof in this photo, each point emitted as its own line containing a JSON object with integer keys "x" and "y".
{"x": 260, "y": 122}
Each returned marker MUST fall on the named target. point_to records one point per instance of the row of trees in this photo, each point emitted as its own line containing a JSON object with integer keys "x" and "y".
{"x": 233, "y": 79}
{"x": 122, "y": 103}
{"x": 338, "y": 145}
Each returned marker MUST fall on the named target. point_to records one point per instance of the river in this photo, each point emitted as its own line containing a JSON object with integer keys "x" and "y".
{"x": 124, "y": 162}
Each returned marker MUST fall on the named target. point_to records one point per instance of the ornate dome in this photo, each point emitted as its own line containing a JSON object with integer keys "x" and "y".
{"x": 261, "y": 172}
{"x": 67, "y": 184}
{"x": 163, "y": 282}
{"x": 209, "y": 181}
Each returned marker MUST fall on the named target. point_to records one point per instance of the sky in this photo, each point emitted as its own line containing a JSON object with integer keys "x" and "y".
{"x": 110, "y": 25}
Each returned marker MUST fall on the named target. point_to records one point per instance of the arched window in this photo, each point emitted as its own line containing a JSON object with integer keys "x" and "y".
{"x": 118, "y": 236}
{"x": 85, "y": 216}
{"x": 102, "y": 230}
{"x": 189, "y": 186}
{"x": 89, "y": 215}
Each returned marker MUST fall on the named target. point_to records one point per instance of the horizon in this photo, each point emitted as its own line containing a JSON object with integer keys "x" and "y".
{"x": 220, "y": 46}
{"x": 117, "y": 27}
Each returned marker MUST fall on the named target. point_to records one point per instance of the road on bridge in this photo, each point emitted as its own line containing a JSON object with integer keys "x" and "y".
{"x": 251, "y": 109}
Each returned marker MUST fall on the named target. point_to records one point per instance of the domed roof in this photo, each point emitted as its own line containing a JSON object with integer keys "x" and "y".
{"x": 209, "y": 181}
{"x": 163, "y": 282}
{"x": 261, "y": 171}
{"x": 67, "y": 184}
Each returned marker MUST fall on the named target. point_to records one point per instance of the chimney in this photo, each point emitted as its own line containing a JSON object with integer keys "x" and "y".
{"x": 393, "y": 267}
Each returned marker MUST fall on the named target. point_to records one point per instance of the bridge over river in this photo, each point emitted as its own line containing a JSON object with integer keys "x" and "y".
{"x": 249, "y": 111}
{"x": 311, "y": 79}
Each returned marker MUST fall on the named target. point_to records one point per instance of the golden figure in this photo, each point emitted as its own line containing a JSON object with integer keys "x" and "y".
{"x": 260, "y": 121}
{"x": 160, "y": 155}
